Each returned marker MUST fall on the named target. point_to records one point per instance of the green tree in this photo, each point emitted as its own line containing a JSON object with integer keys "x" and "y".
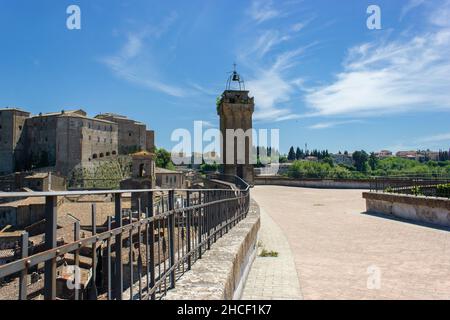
{"x": 163, "y": 159}
{"x": 360, "y": 158}
{"x": 298, "y": 154}
{"x": 283, "y": 159}
{"x": 373, "y": 161}
{"x": 291, "y": 154}
{"x": 327, "y": 159}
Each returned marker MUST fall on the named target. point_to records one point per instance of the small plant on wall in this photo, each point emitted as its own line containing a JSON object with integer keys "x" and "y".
{"x": 417, "y": 191}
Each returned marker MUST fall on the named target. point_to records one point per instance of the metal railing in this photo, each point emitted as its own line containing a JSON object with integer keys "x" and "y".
{"x": 427, "y": 186}
{"x": 137, "y": 254}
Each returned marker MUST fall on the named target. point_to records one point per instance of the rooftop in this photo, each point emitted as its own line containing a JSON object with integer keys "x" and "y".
{"x": 163, "y": 170}
{"x": 71, "y": 113}
{"x": 143, "y": 154}
{"x": 13, "y": 109}
{"x": 23, "y": 202}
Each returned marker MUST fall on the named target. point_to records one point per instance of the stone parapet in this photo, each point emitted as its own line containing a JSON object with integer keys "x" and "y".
{"x": 222, "y": 271}
{"x": 417, "y": 208}
{"x": 313, "y": 183}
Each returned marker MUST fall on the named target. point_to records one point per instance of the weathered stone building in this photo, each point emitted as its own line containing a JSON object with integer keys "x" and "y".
{"x": 35, "y": 181}
{"x": 67, "y": 139}
{"x": 133, "y": 135}
{"x": 142, "y": 177}
{"x": 12, "y": 140}
{"x": 169, "y": 179}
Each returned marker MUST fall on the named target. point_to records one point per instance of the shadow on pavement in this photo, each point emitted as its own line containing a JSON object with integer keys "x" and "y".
{"x": 417, "y": 223}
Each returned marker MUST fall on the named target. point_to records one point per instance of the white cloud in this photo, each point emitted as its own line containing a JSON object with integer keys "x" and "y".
{"x": 436, "y": 138}
{"x": 207, "y": 124}
{"x": 412, "y": 4}
{"x": 266, "y": 41}
{"x": 273, "y": 88}
{"x": 263, "y": 10}
{"x": 298, "y": 26}
{"x": 389, "y": 77}
{"x": 133, "y": 63}
{"x": 270, "y": 63}
{"x": 441, "y": 17}
{"x": 331, "y": 124}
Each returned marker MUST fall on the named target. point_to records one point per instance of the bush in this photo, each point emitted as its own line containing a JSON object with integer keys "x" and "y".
{"x": 417, "y": 191}
{"x": 443, "y": 190}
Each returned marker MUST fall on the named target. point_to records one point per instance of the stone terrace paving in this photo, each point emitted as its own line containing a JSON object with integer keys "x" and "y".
{"x": 334, "y": 246}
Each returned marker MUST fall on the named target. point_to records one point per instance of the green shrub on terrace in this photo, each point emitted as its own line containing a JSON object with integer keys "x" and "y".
{"x": 389, "y": 190}
{"x": 321, "y": 170}
{"x": 417, "y": 191}
{"x": 443, "y": 190}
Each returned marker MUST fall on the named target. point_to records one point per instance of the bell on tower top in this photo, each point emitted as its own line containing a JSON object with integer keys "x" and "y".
{"x": 235, "y": 78}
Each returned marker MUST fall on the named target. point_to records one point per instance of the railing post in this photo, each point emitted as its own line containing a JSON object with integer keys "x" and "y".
{"x": 76, "y": 237}
{"x": 118, "y": 274}
{"x": 188, "y": 229}
{"x": 108, "y": 262}
{"x": 93, "y": 290}
{"x": 208, "y": 218}
{"x": 50, "y": 243}
{"x": 24, "y": 273}
{"x": 171, "y": 227}
{"x": 199, "y": 226}
{"x": 150, "y": 247}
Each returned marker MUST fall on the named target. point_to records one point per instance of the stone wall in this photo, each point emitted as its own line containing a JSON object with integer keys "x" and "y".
{"x": 416, "y": 208}
{"x": 222, "y": 271}
{"x": 132, "y": 135}
{"x": 12, "y": 124}
{"x": 314, "y": 183}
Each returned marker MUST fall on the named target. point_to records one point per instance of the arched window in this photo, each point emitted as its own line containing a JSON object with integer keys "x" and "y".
{"x": 114, "y": 152}
{"x": 94, "y": 156}
{"x": 141, "y": 170}
{"x": 101, "y": 155}
{"x": 107, "y": 154}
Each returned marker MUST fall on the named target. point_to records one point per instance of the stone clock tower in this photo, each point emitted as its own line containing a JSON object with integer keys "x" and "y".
{"x": 235, "y": 109}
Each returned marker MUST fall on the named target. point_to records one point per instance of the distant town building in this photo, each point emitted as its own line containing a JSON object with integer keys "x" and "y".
{"x": 312, "y": 158}
{"x": 343, "y": 159}
{"x": 383, "y": 154}
{"x": 169, "y": 179}
{"x": 431, "y": 155}
{"x": 412, "y": 155}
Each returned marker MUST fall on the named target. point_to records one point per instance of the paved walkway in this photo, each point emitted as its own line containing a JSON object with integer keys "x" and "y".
{"x": 272, "y": 278}
{"x": 342, "y": 253}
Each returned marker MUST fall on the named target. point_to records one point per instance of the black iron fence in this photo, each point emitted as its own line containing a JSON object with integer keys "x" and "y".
{"x": 138, "y": 253}
{"x": 428, "y": 186}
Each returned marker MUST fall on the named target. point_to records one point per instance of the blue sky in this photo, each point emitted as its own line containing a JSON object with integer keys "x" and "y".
{"x": 316, "y": 71}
